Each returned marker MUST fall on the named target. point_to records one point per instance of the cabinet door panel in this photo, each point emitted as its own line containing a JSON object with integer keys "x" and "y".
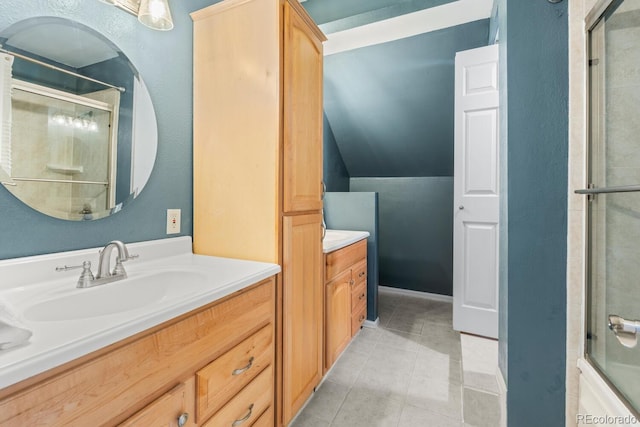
{"x": 302, "y": 115}
{"x": 338, "y": 317}
{"x": 302, "y": 308}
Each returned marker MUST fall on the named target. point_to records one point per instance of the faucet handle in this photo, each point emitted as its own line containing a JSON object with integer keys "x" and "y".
{"x": 84, "y": 265}
{"x": 130, "y": 257}
{"x": 119, "y": 268}
{"x": 86, "y": 277}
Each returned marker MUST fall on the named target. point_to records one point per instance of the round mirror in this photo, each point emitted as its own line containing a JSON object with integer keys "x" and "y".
{"x": 78, "y": 133}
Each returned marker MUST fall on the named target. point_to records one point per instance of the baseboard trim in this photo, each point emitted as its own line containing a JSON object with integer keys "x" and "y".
{"x": 371, "y": 323}
{"x": 409, "y": 292}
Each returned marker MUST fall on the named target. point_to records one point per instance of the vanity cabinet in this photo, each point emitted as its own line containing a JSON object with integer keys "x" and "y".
{"x": 164, "y": 376}
{"x": 258, "y": 166}
{"x": 346, "y": 297}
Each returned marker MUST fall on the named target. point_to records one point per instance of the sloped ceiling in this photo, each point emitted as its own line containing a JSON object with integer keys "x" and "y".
{"x": 390, "y": 105}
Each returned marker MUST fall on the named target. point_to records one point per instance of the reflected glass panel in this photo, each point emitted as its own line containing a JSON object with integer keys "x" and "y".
{"x": 614, "y": 217}
{"x": 58, "y": 151}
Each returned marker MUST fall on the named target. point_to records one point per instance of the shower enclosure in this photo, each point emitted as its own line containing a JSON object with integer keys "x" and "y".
{"x": 613, "y": 231}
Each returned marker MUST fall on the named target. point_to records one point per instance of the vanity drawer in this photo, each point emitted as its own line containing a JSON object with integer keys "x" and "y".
{"x": 343, "y": 258}
{"x": 358, "y": 319}
{"x": 358, "y": 296}
{"x": 224, "y": 377}
{"x": 167, "y": 409}
{"x": 247, "y": 406}
{"x": 266, "y": 419}
{"x": 360, "y": 272}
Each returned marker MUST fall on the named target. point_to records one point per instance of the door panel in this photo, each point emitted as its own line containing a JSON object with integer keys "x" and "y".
{"x": 480, "y": 242}
{"x": 303, "y": 307}
{"x": 476, "y": 192}
{"x": 302, "y": 115}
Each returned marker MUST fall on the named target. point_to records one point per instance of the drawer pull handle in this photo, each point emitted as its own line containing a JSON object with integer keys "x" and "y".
{"x": 362, "y": 296}
{"x": 361, "y": 317}
{"x": 182, "y": 419}
{"x": 351, "y": 282}
{"x": 243, "y": 369}
{"x": 243, "y": 419}
{"x": 362, "y": 273}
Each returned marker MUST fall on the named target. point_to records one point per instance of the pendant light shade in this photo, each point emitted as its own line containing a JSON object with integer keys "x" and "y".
{"x": 155, "y": 14}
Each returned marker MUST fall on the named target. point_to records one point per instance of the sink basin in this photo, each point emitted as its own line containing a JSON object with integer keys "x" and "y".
{"x": 132, "y": 293}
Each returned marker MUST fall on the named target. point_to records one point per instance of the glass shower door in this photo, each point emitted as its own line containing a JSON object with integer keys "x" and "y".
{"x": 614, "y": 199}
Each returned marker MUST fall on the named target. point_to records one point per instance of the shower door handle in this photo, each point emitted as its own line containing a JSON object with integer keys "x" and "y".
{"x": 625, "y": 330}
{"x": 607, "y": 190}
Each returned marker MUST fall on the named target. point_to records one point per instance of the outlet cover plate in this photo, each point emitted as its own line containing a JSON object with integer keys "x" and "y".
{"x": 173, "y": 221}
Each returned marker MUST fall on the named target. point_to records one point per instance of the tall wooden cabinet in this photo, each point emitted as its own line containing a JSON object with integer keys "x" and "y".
{"x": 258, "y": 166}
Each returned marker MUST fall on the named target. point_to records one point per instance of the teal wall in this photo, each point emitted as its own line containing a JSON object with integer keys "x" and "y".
{"x": 536, "y": 43}
{"x": 390, "y": 105}
{"x": 335, "y": 174}
{"x": 390, "y": 108}
{"x": 415, "y": 243}
{"x": 164, "y": 59}
{"x": 359, "y": 212}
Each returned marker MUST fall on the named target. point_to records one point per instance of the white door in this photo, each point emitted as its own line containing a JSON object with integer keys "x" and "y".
{"x": 475, "y": 192}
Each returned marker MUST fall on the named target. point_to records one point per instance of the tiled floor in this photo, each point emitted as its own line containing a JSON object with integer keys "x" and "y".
{"x": 407, "y": 372}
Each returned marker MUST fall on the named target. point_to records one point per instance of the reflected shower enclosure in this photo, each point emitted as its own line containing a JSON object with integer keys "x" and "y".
{"x": 59, "y": 145}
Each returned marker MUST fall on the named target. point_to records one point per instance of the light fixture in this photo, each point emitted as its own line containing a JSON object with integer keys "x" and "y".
{"x": 155, "y": 14}
{"x": 111, "y": 2}
{"x": 84, "y": 122}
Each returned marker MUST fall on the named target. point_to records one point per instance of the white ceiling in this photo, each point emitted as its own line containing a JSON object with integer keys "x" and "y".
{"x": 63, "y": 44}
{"x": 432, "y": 19}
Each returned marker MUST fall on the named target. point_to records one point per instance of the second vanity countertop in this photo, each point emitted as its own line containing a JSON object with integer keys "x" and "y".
{"x": 337, "y": 239}
{"x": 183, "y": 282}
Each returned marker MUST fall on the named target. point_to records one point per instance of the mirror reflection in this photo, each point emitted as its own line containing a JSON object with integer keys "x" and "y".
{"x": 78, "y": 134}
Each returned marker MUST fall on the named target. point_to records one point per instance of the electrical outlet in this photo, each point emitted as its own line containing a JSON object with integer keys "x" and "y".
{"x": 173, "y": 221}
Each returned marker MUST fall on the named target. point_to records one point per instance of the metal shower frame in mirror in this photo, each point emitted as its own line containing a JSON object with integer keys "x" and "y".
{"x": 78, "y": 132}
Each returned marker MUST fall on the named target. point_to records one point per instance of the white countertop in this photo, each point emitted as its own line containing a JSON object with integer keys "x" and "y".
{"x": 336, "y": 239}
{"x": 28, "y": 281}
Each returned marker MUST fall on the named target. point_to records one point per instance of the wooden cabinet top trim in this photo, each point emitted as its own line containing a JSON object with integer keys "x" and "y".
{"x": 295, "y": 4}
{"x": 229, "y": 4}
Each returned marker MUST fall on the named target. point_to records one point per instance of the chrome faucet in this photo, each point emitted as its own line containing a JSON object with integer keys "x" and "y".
{"x": 87, "y": 280}
{"x": 105, "y": 260}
